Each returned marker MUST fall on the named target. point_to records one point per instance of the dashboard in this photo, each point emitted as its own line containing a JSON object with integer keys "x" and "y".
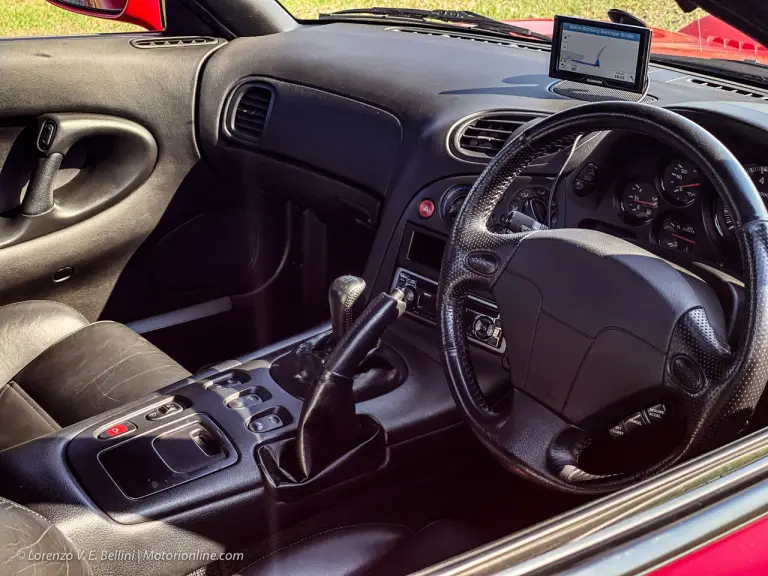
{"x": 363, "y": 117}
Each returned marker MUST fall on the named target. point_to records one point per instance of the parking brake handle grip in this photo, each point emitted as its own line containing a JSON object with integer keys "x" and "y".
{"x": 365, "y": 333}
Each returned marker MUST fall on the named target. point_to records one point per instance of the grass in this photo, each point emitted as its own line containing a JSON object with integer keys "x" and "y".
{"x": 658, "y": 13}
{"x": 38, "y": 18}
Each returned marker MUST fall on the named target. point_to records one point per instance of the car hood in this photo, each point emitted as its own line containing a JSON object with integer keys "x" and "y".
{"x": 707, "y": 37}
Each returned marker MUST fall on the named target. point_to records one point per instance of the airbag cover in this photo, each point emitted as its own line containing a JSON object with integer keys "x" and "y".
{"x": 597, "y": 298}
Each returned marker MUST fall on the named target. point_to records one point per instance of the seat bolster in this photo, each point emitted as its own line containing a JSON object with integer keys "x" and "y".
{"x": 435, "y": 543}
{"x": 29, "y": 544}
{"x": 347, "y": 551}
{"x": 29, "y": 328}
{"x": 95, "y": 369}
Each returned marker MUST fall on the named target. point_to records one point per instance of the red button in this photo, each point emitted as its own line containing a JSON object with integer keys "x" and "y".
{"x": 117, "y": 430}
{"x": 426, "y": 208}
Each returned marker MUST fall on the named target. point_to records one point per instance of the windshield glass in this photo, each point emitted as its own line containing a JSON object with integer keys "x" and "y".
{"x": 675, "y": 33}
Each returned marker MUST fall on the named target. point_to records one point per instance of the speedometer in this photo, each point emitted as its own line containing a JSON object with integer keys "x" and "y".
{"x": 759, "y": 175}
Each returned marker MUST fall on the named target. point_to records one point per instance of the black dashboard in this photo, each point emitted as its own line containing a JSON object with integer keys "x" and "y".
{"x": 367, "y": 121}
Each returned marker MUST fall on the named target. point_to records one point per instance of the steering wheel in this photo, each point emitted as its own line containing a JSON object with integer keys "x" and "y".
{"x": 595, "y": 324}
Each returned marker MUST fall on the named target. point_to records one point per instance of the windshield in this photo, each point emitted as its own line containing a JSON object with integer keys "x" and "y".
{"x": 675, "y": 33}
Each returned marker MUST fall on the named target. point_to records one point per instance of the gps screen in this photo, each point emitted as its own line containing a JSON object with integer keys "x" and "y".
{"x": 600, "y": 53}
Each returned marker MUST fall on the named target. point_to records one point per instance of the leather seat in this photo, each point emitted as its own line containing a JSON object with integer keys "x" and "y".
{"x": 27, "y": 540}
{"x": 56, "y": 369}
{"x": 369, "y": 550}
{"x": 29, "y": 544}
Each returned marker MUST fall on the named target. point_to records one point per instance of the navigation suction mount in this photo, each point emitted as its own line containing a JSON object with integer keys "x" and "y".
{"x": 603, "y": 54}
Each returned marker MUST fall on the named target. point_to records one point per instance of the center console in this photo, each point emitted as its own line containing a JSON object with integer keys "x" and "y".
{"x": 177, "y": 450}
{"x": 264, "y": 440}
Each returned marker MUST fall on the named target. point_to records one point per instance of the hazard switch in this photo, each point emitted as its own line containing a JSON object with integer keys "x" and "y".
{"x": 426, "y": 208}
{"x": 117, "y": 430}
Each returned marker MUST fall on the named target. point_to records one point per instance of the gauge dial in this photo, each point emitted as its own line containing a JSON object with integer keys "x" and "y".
{"x": 677, "y": 234}
{"x": 681, "y": 181}
{"x": 533, "y": 202}
{"x": 723, "y": 219}
{"x": 759, "y": 175}
{"x": 639, "y": 201}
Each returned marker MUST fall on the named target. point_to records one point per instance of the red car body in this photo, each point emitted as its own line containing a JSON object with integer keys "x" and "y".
{"x": 707, "y": 37}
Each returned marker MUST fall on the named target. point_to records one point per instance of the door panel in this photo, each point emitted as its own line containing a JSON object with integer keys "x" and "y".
{"x": 110, "y": 193}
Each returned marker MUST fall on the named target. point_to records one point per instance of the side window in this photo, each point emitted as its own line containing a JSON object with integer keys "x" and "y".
{"x": 25, "y": 18}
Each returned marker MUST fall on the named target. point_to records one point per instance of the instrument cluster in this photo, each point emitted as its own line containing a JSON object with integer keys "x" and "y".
{"x": 676, "y": 200}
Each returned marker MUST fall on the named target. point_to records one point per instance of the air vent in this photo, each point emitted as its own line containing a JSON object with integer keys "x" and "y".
{"x": 173, "y": 42}
{"x": 731, "y": 88}
{"x": 484, "y": 136}
{"x": 249, "y": 112}
{"x": 478, "y": 38}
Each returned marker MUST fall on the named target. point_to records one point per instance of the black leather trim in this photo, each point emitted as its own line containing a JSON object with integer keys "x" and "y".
{"x": 434, "y": 543}
{"x": 345, "y": 551}
{"x": 21, "y": 418}
{"x": 29, "y": 544}
{"x": 369, "y": 550}
{"x": 96, "y": 369}
{"x": 28, "y": 328}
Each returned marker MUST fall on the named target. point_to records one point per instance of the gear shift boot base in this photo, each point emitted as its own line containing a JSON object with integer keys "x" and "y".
{"x": 285, "y": 482}
{"x": 382, "y": 371}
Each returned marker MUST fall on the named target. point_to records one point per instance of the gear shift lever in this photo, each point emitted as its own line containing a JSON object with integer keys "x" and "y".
{"x": 345, "y": 297}
{"x": 328, "y": 427}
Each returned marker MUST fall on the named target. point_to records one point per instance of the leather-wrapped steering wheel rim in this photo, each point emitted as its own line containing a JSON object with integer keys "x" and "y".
{"x": 526, "y": 436}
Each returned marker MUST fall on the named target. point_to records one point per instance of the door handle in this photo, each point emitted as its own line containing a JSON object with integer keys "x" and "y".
{"x": 57, "y": 133}
{"x": 124, "y": 155}
{"x": 39, "y": 197}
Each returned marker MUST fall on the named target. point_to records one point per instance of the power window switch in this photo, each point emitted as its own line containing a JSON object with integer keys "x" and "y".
{"x": 266, "y": 423}
{"x": 244, "y": 401}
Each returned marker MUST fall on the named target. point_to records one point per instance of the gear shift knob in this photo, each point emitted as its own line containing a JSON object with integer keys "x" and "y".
{"x": 345, "y": 297}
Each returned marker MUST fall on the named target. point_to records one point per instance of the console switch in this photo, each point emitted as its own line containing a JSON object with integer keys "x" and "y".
{"x": 117, "y": 430}
{"x": 164, "y": 411}
{"x": 266, "y": 423}
{"x": 244, "y": 401}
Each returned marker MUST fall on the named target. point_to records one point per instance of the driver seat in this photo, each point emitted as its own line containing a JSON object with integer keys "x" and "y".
{"x": 27, "y": 538}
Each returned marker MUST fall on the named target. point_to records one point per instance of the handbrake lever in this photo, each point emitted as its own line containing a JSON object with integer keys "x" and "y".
{"x": 365, "y": 333}
{"x": 328, "y": 426}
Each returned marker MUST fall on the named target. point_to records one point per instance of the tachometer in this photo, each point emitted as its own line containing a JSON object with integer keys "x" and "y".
{"x": 759, "y": 175}
{"x": 681, "y": 181}
{"x": 639, "y": 201}
{"x": 677, "y": 234}
{"x": 723, "y": 219}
